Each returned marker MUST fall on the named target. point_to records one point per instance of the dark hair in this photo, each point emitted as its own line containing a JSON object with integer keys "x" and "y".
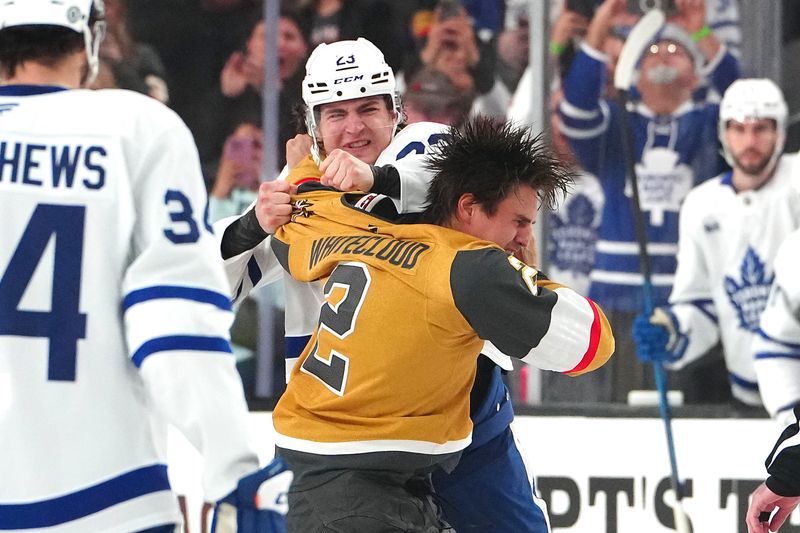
{"x": 490, "y": 160}
{"x": 44, "y": 44}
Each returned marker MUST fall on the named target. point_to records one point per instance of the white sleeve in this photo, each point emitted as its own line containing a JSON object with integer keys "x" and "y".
{"x": 777, "y": 347}
{"x": 177, "y": 313}
{"x": 408, "y": 153}
{"x": 303, "y": 303}
{"x": 250, "y": 269}
{"x": 691, "y": 297}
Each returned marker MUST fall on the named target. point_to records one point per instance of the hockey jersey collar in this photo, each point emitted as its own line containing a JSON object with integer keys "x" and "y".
{"x": 727, "y": 179}
{"x": 29, "y": 90}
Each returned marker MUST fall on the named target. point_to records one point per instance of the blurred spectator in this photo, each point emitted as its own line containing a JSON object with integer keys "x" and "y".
{"x": 236, "y": 183}
{"x": 431, "y": 96}
{"x": 376, "y": 20}
{"x": 145, "y": 71}
{"x": 446, "y": 40}
{"x": 512, "y": 60}
{"x": 675, "y": 143}
{"x": 237, "y": 100}
{"x": 194, "y": 39}
{"x": 722, "y": 16}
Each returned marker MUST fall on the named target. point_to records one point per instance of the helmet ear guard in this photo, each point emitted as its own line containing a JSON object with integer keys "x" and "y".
{"x": 346, "y": 70}
{"x": 86, "y": 17}
{"x": 753, "y": 98}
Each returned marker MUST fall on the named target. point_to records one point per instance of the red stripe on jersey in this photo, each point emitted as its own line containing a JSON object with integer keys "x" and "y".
{"x": 305, "y": 180}
{"x": 594, "y": 340}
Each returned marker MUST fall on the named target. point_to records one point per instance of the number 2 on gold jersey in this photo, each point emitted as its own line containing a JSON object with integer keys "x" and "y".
{"x": 345, "y": 292}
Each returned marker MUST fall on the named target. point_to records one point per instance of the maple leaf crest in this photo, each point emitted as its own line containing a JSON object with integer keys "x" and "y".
{"x": 571, "y": 242}
{"x": 749, "y": 294}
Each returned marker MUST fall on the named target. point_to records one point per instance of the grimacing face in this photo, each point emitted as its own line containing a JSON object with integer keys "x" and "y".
{"x": 510, "y": 226}
{"x": 362, "y": 127}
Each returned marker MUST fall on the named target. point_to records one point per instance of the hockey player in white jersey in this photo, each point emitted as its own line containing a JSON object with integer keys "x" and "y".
{"x": 730, "y": 230}
{"x": 777, "y": 353}
{"x": 352, "y": 114}
{"x": 776, "y": 348}
{"x": 113, "y": 309}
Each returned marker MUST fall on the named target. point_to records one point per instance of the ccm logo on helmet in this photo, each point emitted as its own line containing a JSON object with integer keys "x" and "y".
{"x": 348, "y": 79}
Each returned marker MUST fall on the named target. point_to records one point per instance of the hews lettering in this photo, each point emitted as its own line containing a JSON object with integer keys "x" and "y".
{"x": 347, "y": 79}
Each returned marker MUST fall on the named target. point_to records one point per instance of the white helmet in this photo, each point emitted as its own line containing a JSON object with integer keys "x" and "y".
{"x": 72, "y": 14}
{"x": 753, "y": 99}
{"x": 346, "y": 70}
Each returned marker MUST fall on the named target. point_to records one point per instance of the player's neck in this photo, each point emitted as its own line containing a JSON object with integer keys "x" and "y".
{"x": 66, "y": 73}
{"x": 743, "y": 181}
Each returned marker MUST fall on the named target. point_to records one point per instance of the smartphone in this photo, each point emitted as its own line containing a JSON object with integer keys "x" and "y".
{"x": 640, "y": 7}
{"x": 448, "y": 9}
{"x": 245, "y": 152}
{"x": 585, "y": 8}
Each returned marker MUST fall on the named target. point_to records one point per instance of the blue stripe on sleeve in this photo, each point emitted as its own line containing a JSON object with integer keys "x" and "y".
{"x": 777, "y": 355}
{"x": 740, "y": 381}
{"x": 791, "y": 345}
{"x": 75, "y": 505}
{"x": 180, "y": 342}
{"x": 295, "y": 345}
{"x": 162, "y": 292}
{"x": 254, "y": 271}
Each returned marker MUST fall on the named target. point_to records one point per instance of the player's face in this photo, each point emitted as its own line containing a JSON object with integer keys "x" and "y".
{"x": 510, "y": 226}
{"x": 674, "y": 62}
{"x": 751, "y": 143}
{"x": 292, "y": 48}
{"x": 362, "y": 127}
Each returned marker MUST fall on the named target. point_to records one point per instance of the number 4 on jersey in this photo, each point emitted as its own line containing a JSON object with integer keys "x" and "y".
{"x": 64, "y": 324}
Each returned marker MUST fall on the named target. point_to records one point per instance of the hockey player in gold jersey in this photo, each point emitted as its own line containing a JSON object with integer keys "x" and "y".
{"x": 380, "y": 397}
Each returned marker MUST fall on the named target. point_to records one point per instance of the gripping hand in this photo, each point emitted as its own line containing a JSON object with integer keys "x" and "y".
{"x": 259, "y": 503}
{"x": 657, "y": 337}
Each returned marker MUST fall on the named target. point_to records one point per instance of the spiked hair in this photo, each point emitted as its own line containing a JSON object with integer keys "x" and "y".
{"x": 491, "y": 160}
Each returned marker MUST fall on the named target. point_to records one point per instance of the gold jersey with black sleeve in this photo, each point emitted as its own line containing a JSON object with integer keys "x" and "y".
{"x": 407, "y": 310}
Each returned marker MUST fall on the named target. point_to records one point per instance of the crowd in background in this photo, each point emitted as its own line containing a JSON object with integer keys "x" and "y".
{"x": 206, "y": 60}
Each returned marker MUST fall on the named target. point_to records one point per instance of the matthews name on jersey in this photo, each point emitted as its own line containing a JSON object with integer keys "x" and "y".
{"x": 114, "y": 314}
{"x": 370, "y": 383}
{"x": 728, "y": 240}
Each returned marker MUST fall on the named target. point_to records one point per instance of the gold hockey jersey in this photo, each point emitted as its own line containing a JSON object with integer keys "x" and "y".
{"x": 407, "y": 309}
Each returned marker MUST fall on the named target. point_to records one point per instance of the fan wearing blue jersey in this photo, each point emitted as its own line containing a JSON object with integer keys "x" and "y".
{"x": 353, "y": 115}
{"x": 113, "y": 306}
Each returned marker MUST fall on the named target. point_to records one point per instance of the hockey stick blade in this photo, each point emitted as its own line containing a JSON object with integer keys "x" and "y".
{"x": 640, "y": 36}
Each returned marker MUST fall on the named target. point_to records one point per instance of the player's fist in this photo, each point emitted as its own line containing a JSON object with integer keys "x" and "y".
{"x": 346, "y": 172}
{"x": 274, "y": 204}
{"x": 297, "y": 148}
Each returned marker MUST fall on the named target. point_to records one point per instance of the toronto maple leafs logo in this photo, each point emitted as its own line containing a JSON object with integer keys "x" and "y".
{"x": 300, "y": 209}
{"x": 749, "y": 295}
{"x": 572, "y": 241}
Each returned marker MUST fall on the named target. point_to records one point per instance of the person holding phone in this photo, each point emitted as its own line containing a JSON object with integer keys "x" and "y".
{"x": 236, "y": 183}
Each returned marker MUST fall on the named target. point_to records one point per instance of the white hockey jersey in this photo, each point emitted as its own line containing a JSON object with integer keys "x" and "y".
{"x": 777, "y": 345}
{"x": 114, "y": 315}
{"x": 727, "y": 245}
